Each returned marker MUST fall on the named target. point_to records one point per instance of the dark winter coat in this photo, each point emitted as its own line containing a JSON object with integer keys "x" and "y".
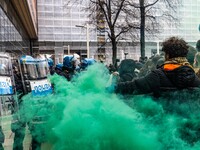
{"x": 127, "y": 70}
{"x": 181, "y": 77}
{"x": 18, "y": 82}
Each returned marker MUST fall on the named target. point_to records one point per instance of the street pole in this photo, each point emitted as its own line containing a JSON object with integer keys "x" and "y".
{"x": 158, "y": 47}
{"x": 88, "y": 41}
{"x": 68, "y": 48}
{"x": 125, "y": 54}
{"x": 87, "y": 38}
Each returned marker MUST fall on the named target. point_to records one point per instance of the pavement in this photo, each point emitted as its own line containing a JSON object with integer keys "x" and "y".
{"x": 9, "y": 135}
{"x": 5, "y": 122}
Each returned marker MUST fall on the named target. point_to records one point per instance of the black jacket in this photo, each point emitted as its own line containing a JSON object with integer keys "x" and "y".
{"x": 182, "y": 77}
{"x": 18, "y": 82}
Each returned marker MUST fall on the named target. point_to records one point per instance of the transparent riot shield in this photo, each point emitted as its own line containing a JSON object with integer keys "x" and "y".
{"x": 34, "y": 72}
{"x": 8, "y": 101}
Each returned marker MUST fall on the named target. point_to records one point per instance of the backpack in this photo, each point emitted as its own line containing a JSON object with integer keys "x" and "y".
{"x": 126, "y": 70}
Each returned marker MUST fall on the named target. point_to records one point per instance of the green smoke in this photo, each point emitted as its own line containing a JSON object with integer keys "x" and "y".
{"x": 82, "y": 115}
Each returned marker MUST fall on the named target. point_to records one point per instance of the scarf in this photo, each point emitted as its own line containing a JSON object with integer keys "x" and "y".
{"x": 176, "y": 62}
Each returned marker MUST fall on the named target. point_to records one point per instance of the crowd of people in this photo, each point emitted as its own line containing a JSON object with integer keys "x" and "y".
{"x": 71, "y": 65}
{"x": 176, "y": 68}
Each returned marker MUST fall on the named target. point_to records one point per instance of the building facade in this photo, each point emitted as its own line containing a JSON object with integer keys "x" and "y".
{"x": 17, "y": 27}
{"x": 59, "y": 34}
{"x": 187, "y": 28}
{"x": 62, "y": 30}
{"x": 59, "y": 27}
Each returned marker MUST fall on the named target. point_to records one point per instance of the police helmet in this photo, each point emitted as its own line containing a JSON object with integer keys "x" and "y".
{"x": 59, "y": 66}
{"x": 86, "y": 62}
{"x": 67, "y": 61}
{"x": 50, "y": 62}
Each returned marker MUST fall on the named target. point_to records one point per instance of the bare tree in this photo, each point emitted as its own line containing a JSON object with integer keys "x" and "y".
{"x": 113, "y": 16}
{"x": 151, "y": 13}
{"x": 110, "y": 16}
{"x": 122, "y": 18}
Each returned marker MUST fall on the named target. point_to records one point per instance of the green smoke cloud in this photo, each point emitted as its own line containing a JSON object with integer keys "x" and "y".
{"x": 82, "y": 115}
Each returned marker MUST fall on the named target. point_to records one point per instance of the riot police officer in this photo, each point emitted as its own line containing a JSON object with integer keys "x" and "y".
{"x": 70, "y": 66}
{"x": 18, "y": 124}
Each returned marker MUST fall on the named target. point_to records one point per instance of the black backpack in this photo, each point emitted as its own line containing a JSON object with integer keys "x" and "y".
{"x": 181, "y": 77}
{"x": 126, "y": 70}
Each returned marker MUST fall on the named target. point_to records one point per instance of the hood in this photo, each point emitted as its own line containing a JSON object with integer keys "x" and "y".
{"x": 182, "y": 76}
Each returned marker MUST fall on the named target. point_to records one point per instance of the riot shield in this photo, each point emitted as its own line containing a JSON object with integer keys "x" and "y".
{"x": 34, "y": 74}
{"x": 8, "y": 100}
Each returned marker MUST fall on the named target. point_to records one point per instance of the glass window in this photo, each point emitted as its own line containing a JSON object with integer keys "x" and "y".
{"x": 58, "y": 30}
{"x": 75, "y": 15}
{"x": 49, "y": 22}
{"x": 66, "y": 23}
{"x": 58, "y": 37}
{"x": 66, "y": 15}
{"x": 42, "y": 69}
{"x": 49, "y": 37}
{"x": 48, "y": 1}
{"x": 41, "y": 8}
{"x": 10, "y": 36}
{"x": 67, "y": 36}
{"x": 57, "y": 2}
{"x": 48, "y": 8}
{"x": 66, "y": 30}
{"x": 48, "y": 15}
{"x": 31, "y": 71}
{"x": 78, "y": 30}
{"x": 75, "y": 9}
{"x": 75, "y": 37}
{"x": 4, "y": 66}
{"x": 75, "y": 22}
{"x": 58, "y": 15}
{"x": 49, "y": 30}
{"x": 35, "y": 70}
{"x": 41, "y": 14}
{"x": 58, "y": 23}
{"x": 58, "y": 9}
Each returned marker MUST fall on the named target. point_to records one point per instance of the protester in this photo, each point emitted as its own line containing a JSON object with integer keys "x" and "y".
{"x": 197, "y": 55}
{"x": 150, "y": 65}
{"x": 198, "y": 45}
{"x": 196, "y": 59}
{"x": 191, "y": 55}
{"x": 126, "y": 70}
{"x": 176, "y": 73}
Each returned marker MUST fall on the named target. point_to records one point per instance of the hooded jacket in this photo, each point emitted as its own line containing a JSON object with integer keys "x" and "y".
{"x": 173, "y": 75}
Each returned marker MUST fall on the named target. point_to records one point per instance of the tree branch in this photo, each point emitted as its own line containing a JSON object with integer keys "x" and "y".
{"x": 118, "y": 12}
{"x": 151, "y": 4}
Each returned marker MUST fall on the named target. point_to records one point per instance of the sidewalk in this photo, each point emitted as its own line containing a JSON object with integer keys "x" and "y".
{"x": 9, "y": 135}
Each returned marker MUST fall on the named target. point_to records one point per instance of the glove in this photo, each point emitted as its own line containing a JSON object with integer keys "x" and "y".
{"x": 111, "y": 84}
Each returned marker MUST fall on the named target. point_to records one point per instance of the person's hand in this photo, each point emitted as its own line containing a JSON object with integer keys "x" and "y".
{"x": 115, "y": 73}
{"x": 110, "y": 86}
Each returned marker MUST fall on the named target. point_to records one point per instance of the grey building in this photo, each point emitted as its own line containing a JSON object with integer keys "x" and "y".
{"x": 58, "y": 32}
